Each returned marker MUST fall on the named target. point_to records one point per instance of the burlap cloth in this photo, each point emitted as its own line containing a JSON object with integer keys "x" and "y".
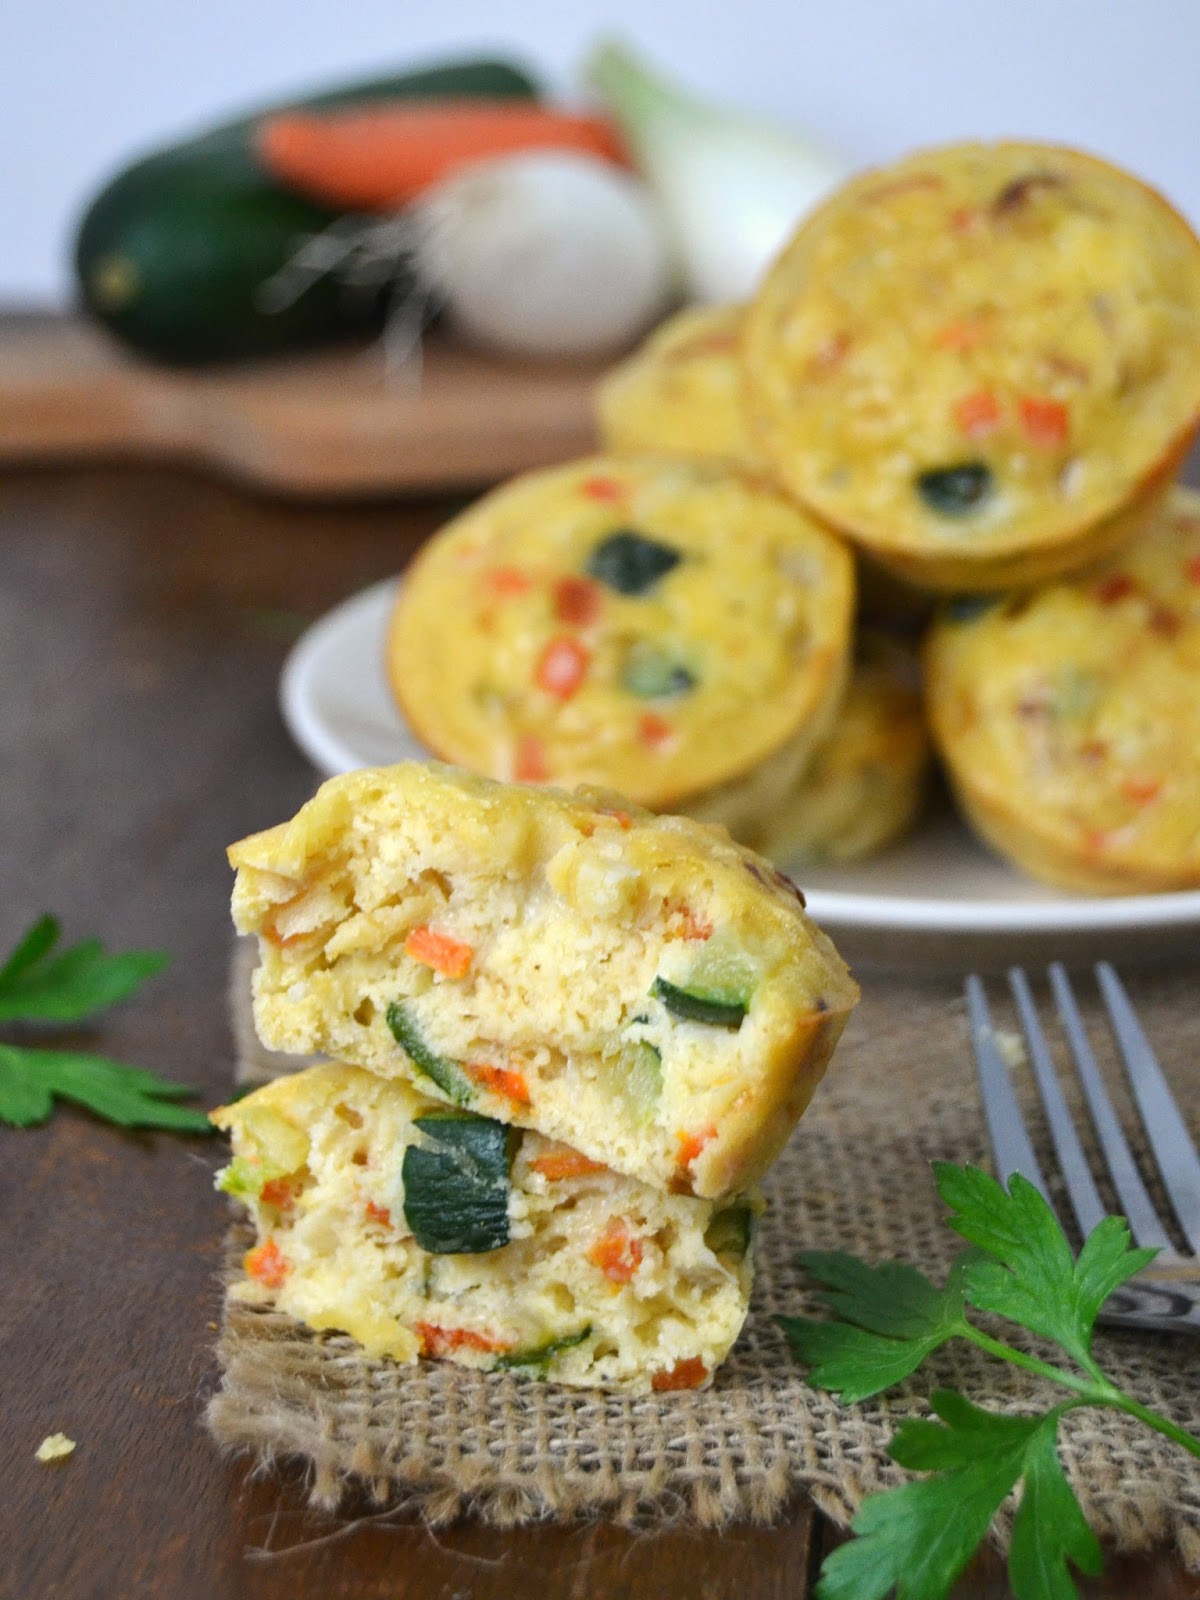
{"x": 442, "y": 1441}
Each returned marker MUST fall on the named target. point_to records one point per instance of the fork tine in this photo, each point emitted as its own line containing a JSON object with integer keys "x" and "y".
{"x": 1081, "y": 1186}
{"x": 1139, "y": 1209}
{"x": 1178, "y": 1163}
{"x": 1010, "y": 1141}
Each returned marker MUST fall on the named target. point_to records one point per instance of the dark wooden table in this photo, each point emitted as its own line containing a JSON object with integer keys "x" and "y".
{"x": 144, "y": 616}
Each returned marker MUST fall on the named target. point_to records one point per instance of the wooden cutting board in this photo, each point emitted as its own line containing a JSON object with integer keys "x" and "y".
{"x": 328, "y": 424}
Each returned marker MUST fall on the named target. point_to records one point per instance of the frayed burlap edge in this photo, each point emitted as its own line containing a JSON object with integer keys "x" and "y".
{"x": 441, "y": 1442}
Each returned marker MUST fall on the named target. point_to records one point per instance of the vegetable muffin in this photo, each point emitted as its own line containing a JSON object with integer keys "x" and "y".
{"x": 865, "y": 784}
{"x": 983, "y": 363}
{"x": 1070, "y": 718}
{"x": 424, "y": 1231}
{"x": 666, "y": 628}
{"x": 681, "y": 392}
{"x": 636, "y": 986}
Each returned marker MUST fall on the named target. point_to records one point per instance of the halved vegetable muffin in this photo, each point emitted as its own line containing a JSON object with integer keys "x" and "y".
{"x": 664, "y": 628}
{"x": 681, "y": 392}
{"x": 636, "y": 986}
{"x": 1069, "y": 719}
{"x": 982, "y": 363}
{"x": 420, "y": 1230}
{"x": 864, "y": 786}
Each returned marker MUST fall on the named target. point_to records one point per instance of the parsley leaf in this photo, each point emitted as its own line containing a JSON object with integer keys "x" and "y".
{"x": 37, "y": 985}
{"x": 1034, "y": 1279}
{"x": 1050, "y": 1529}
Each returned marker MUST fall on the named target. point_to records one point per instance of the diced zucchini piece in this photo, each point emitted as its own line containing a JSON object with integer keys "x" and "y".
{"x": 730, "y": 1231}
{"x": 968, "y": 607}
{"x": 696, "y": 1005}
{"x": 448, "y": 1075}
{"x": 641, "y": 1078}
{"x": 955, "y": 491}
{"x": 456, "y": 1187}
{"x": 651, "y": 674}
{"x": 272, "y": 1147}
{"x": 540, "y": 1356}
{"x": 630, "y": 562}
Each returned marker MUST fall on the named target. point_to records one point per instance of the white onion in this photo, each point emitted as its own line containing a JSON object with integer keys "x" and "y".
{"x": 545, "y": 253}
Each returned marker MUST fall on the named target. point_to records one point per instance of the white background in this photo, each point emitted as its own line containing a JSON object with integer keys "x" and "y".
{"x": 84, "y": 84}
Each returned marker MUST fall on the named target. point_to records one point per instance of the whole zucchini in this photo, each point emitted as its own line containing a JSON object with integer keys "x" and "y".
{"x": 172, "y": 255}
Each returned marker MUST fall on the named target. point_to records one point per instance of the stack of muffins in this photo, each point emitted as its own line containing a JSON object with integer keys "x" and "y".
{"x": 568, "y": 1037}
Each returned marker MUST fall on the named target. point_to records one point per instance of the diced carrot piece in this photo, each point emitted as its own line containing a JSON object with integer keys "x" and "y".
{"x": 530, "y": 764}
{"x": 621, "y": 817}
{"x": 617, "y": 1252}
{"x": 562, "y": 667}
{"x": 653, "y": 729}
{"x": 508, "y": 581}
{"x": 576, "y": 600}
{"x": 436, "y": 1341}
{"x": 964, "y": 334}
{"x": 1046, "y": 422}
{"x": 1165, "y": 622}
{"x": 564, "y": 1162}
{"x": 691, "y": 1144}
{"x": 1193, "y": 569}
{"x": 265, "y": 1264}
{"x": 506, "y": 1081}
{"x": 448, "y": 956}
{"x": 977, "y": 414}
{"x": 280, "y": 1192}
{"x": 608, "y": 489}
{"x": 1141, "y": 790}
{"x": 684, "y": 923}
{"x": 1117, "y": 587}
{"x": 689, "y": 1373}
{"x": 379, "y": 1214}
{"x": 964, "y": 220}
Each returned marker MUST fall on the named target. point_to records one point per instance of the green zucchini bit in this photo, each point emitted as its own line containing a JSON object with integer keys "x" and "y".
{"x": 969, "y": 607}
{"x": 641, "y": 1080}
{"x": 448, "y": 1075}
{"x": 730, "y": 1231}
{"x": 651, "y": 674}
{"x": 717, "y": 990}
{"x": 540, "y": 1356}
{"x": 695, "y": 1005}
{"x": 456, "y": 1186}
{"x": 955, "y": 491}
{"x": 630, "y": 562}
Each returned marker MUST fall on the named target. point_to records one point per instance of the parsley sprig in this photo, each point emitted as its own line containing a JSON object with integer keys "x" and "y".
{"x": 917, "y": 1539}
{"x": 41, "y": 985}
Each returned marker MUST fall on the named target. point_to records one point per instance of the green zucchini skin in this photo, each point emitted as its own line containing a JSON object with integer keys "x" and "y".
{"x": 456, "y": 1189}
{"x": 694, "y": 1005}
{"x": 447, "y": 1074}
{"x": 172, "y": 254}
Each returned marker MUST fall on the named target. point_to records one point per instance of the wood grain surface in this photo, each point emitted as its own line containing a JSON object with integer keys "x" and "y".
{"x": 144, "y": 616}
{"x": 333, "y": 423}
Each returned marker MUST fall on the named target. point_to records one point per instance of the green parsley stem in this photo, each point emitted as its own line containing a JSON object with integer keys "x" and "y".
{"x": 1152, "y": 1419}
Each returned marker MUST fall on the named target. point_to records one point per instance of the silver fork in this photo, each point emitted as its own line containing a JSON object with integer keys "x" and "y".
{"x": 1167, "y": 1295}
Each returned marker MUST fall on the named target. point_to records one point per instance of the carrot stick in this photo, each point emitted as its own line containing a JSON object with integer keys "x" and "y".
{"x": 380, "y": 157}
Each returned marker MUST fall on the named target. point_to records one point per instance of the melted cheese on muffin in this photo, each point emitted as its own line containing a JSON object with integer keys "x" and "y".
{"x": 661, "y": 628}
{"x": 981, "y": 362}
{"x": 451, "y": 1237}
{"x": 681, "y": 393}
{"x": 636, "y": 986}
{"x": 1070, "y": 718}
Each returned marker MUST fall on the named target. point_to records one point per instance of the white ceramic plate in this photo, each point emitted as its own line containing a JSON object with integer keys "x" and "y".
{"x": 936, "y": 902}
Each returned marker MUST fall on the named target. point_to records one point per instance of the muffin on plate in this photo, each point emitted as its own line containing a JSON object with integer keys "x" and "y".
{"x": 423, "y": 1231}
{"x": 1069, "y": 719}
{"x": 983, "y": 363}
{"x": 635, "y": 986}
{"x": 681, "y": 392}
{"x": 669, "y": 629}
{"x": 864, "y": 786}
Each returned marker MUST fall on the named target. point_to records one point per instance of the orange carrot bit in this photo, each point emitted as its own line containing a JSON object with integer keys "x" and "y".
{"x": 281, "y": 1192}
{"x": 378, "y": 1214}
{"x": 689, "y": 1373}
{"x": 380, "y": 157}
{"x": 448, "y": 956}
{"x": 562, "y": 667}
{"x": 607, "y": 490}
{"x": 691, "y": 1144}
{"x": 564, "y": 1162}
{"x": 506, "y": 1081}
{"x": 977, "y": 414}
{"x": 1166, "y": 623}
{"x": 654, "y": 730}
{"x": 1117, "y": 587}
{"x": 576, "y": 600}
{"x": 1193, "y": 569}
{"x": 529, "y": 765}
{"x": 266, "y": 1265}
{"x": 1141, "y": 790}
{"x": 1046, "y": 422}
{"x": 962, "y": 335}
{"x": 437, "y": 1341}
{"x": 508, "y": 581}
{"x": 617, "y": 1252}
